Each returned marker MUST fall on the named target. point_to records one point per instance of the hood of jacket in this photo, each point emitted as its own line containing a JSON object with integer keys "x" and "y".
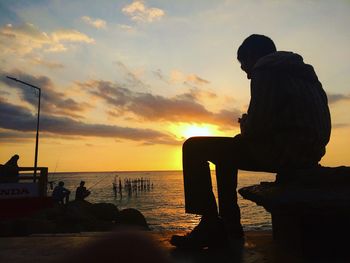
{"x": 288, "y": 62}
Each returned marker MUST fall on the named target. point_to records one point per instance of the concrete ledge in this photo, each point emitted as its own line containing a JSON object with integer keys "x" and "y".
{"x": 309, "y": 211}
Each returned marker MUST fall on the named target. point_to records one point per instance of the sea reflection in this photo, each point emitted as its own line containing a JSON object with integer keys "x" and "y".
{"x": 163, "y": 203}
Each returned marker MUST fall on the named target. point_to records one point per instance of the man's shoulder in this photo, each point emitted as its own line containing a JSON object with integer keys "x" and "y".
{"x": 278, "y": 60}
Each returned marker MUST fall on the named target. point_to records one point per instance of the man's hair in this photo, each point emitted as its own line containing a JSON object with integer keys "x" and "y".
{"x": 256, "y": 45}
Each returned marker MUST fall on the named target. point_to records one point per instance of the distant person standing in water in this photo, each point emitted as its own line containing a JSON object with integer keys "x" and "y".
{"x": 60, "y": 194}
{"x": 115, "y": 190}
{"x": 286, "y": 128}
{"x": 81, "y": 192}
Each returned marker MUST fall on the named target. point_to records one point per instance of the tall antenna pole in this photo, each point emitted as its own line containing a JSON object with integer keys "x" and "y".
{"x": 37, "y": 123}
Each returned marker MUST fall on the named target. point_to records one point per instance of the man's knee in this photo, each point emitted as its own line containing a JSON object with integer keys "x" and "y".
{"x": 190, "y": 144}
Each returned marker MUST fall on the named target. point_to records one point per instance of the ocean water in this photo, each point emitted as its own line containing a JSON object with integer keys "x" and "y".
{"x": 163, "y": 204}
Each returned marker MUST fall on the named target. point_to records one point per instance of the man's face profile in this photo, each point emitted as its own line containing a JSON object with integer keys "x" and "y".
{"x": 245, "y": 68}
{"x": 247, "y": 64}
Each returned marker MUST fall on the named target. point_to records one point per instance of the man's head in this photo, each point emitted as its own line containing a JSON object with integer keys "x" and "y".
{"x": 252, "y": 49}
{"x": 82, "y": 183}
{"x": 61, "y": 183}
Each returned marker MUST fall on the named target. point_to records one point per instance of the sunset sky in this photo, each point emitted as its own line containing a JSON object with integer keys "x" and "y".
{"x": 124, "y": 83}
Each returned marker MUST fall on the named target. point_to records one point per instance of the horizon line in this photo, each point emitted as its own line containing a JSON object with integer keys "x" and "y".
{"x": 117, "y": 171}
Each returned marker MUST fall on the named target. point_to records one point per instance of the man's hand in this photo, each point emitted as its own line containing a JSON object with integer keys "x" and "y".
{"x": 242, "y": 123}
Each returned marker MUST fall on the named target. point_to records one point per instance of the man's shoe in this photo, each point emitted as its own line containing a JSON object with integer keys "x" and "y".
{"x": 235, "y": 234}
{"x": 234, "y": 231}
{"x": 211, "y": 235}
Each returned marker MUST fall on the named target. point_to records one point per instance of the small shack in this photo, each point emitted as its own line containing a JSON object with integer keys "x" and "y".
{"x": 25, "y": 194}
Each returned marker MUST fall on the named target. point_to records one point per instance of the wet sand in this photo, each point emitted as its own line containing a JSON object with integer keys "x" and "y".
{"x": 258, "y": 247}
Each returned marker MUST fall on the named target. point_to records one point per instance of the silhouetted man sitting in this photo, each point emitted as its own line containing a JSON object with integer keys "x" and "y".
{"x": 286, "y": 128}
{"x": 81, "y": 192}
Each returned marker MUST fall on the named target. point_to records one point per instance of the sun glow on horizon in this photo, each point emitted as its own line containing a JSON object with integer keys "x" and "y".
{"x": 194, "y": 130}
{"x": 187, "y": 130}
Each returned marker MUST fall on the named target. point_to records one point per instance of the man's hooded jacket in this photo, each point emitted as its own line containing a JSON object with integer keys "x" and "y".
{"x": 288, "y": 112}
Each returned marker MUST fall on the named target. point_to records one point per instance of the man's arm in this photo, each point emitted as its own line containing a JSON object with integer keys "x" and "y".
{"x": 259, "y": 120}
{"x": 242, "y": 123}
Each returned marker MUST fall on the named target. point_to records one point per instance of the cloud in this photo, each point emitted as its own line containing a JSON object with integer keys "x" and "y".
{"x": 4, "y": 93}
{"x": 177, "y": 76}
{"x": 10, "y": 136}
{"x": 70, "y": 35}
{"x": 52, "y": 102}
{"x": 146, "y": 106}
{"x": 159, "y": 74}
{"x": 197, "y": 94}
{"x": 340, "y": 125}
{"x": 18, "y": 118}
{"x": 127, "y": 28}
{"x": 139, "y": 12}
{"x": 96, "y": 23}
{"x": 131, "y": 78}
{"x": 197, "y": 80}
{"x": 25, "y": 38}
{"x": 334, "y": 98}
{"x": 46, "y": 63}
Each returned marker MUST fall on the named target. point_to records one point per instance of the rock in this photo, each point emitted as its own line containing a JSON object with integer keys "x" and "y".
{"x": 132, "y": 217}
{"x": 326, "y": 188}
{"x": 81, "y": 215}
{"x": 309, "y": 210}
{"x": 104, "y": 211}
{"x": 75, "y": 217}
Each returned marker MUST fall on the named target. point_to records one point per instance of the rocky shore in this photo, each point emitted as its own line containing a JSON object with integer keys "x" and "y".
{"x": 74, "y": 217}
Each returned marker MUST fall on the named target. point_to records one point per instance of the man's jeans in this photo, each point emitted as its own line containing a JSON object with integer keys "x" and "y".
{"x": 228, "y": 154}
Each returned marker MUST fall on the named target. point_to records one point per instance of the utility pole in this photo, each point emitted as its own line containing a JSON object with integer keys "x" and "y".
{"x": 37, "y": 123}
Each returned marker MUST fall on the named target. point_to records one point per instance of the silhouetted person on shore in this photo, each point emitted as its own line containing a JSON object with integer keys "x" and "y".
{"x": 9, "y": 171}
{"x": 286, "y": 128}
{"x": 81, "y": 192}
{"x": 60, "y": 194}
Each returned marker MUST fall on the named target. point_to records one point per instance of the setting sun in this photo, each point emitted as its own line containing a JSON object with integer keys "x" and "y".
{"x": 186, "y": 130}
{"x": 194, "y": 130}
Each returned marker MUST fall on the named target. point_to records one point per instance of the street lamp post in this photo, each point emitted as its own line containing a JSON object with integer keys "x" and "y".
{"x": 37, "y": 123}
